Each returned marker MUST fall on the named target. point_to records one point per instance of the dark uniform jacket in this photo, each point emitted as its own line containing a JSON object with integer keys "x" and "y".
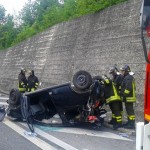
{"x": 33, "y": 83}
{"x": 111, "y": 92}
{"x": 128, "y": 89}
{"x": 117, "y": 79}
{"x": 22, "y": 82}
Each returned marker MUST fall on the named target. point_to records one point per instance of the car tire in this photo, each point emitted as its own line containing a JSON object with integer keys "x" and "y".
{"x": 14, "y": 97}
{"x": 82, "y": 80}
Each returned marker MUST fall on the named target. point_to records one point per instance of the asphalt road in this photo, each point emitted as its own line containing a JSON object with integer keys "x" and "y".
{"x": 11, "y": 140}
{"x": 83, "y": 137}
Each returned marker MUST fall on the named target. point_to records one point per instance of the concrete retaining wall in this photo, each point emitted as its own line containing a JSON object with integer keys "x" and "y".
{"x": 93, "y": 43}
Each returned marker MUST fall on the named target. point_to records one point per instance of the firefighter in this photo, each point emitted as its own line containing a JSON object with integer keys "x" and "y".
{"x": 112, "y": 97}
{"x": 33, "y": 81}
{"x": 128, "y": 95}
{"x": 22, "y": 81}
{"x": 117, "y": 80}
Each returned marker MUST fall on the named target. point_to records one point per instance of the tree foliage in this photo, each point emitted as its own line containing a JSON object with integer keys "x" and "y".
{"x": 39, "y": 15}
{"x": 8, "y": 31}
{"x": 2, "y": 15}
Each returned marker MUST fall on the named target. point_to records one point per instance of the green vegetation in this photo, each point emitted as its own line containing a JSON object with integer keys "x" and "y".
{"x": 41, "y": 14}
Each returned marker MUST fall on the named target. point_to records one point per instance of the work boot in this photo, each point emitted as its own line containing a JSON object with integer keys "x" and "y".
{"x": 117, "y": 125}
{"x": 111, "y": 121}
{"x": 130, "y": 124}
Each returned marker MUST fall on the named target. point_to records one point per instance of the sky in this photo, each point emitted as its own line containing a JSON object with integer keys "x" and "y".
{"x": 12, "y": 6}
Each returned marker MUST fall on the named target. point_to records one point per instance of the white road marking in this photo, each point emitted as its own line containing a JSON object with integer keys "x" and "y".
{"x": 4, "y": 98}
{"x": 3, "y": 103}
{"x": 53, "y": 139}
{"x": 81, "y": 131}
{"x": 35, "y": 140}
{"x": 93, "y": 133}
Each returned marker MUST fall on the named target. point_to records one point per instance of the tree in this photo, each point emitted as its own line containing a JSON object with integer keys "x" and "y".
{"x": 91, "y": 6}
{"x": 2, "y": 14}
{"x": 41, "y": 14}
{"x": 28, "y": 14}
{"x": 7, "y": 32}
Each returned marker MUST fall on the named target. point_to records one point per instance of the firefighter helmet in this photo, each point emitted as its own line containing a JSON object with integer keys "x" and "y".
{"x": 23, "y": 70}
{"x": 112, "y": 70}
{"x": 125, "y": 68}
{"x": 31, "y": 72}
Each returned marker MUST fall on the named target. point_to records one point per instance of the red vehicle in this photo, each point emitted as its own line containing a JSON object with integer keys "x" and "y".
{"x": 143, "y": 128}
{"x": 147, "y": 92}
{"x": 145, "y": 34}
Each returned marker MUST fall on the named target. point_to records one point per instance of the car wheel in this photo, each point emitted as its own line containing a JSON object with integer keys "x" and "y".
{"x": 14, "y": 97}
{"x": 82, "y": 80}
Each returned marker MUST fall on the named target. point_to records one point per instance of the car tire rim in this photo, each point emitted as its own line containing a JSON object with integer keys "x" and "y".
{"x": 81, "y": 80}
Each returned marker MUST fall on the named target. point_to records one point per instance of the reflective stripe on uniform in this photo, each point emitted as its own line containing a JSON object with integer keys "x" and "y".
{"x": 115, "y": 97}
{"x": 121, "y": 112}
{"x": 119, "y": 119}
{"x": 22, "y": 83}
{"x": 131, "y": 117}
{"x": 32, "y": 89}
{"x": 22, "y": 89}
{"x": 134, "y": 95}
{"x": 126, "y": 91}
{"x": 113, "y": 115}
{"x": 133, "y": 98}
{"x": 36, "y": 84}
{"x": 130, "y": 99}
{"x": 107, "y": 81}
